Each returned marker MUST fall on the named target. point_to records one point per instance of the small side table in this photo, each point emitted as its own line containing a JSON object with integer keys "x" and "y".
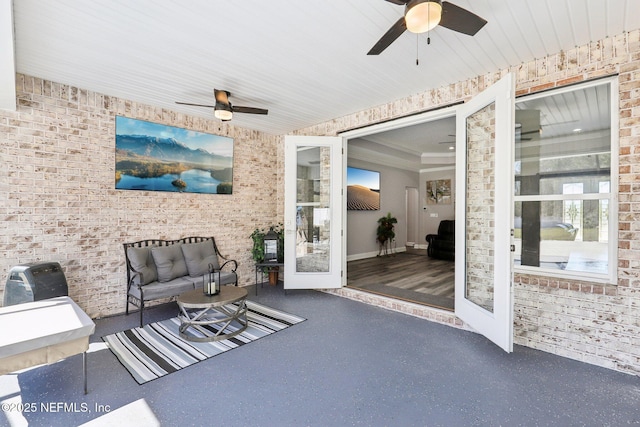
{"x": 266, "y": 267}
{"x": 43, "y": 331}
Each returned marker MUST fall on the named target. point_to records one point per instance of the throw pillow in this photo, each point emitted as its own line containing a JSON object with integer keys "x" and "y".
{"x": 198, "y": 256}
{"x": 169, "y": 262}
{"x": 142, "y": 262}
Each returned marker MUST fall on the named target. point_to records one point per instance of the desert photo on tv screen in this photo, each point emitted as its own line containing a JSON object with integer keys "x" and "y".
{"x": 363, "y": 190}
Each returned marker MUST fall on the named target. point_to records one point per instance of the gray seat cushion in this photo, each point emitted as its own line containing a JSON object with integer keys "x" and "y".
{"x": 156, "y": 290}
{"x": 142, "y": 262}
{"x": 225, "y": 278}
{"x": 198, "y": 256}
{"x": 228, "y": 278}
{"x": 169, "y": 262}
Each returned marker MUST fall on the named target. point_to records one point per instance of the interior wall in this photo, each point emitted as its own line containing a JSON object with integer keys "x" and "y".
{"x": 431, "y": 214}
{"x": 59, "y": 202}
{"x": 362, "y": 225}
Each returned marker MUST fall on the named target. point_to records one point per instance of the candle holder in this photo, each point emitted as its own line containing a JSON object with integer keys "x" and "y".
{"x": 211, "y": 286}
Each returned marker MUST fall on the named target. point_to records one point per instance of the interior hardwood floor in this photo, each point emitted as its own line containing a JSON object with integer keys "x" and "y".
{"x": 410, "y": 276}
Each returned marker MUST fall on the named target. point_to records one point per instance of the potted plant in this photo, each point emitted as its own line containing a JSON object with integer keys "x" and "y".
{"x": 385, "y": 233}
{"x": 257, "y": 251}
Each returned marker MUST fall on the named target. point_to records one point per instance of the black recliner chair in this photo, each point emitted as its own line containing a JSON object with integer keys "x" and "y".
{"x": 443, "y": 244}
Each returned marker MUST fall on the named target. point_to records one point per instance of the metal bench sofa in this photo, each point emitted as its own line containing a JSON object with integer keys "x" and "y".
{"x": 158, "y": 269}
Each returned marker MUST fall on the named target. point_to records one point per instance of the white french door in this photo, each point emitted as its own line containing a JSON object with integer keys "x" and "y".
{"x": 313, "y": 212}
{"x": 484, "y": 219}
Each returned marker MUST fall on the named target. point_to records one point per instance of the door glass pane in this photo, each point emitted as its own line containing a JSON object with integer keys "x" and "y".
{"x": 313, "y": 191}
{"x": 479, "y": 212}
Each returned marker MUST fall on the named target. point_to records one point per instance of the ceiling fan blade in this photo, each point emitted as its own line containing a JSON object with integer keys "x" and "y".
{"x": 399, "y": 2}
{"x": 249, "y": 110}
{"x": 389, "y": 37}
{"x": 222, "y": 96}
{"x": 461, "y": 20}
{"x": 195, "y": 105}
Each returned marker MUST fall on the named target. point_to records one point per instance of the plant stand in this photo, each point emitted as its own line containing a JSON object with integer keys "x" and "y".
{"x": 272, "y": 268}
{"x": 273, "y": 276}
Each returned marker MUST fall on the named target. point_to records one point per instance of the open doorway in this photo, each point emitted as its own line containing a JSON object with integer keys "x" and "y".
{"x": 412, "y": 201}
{"x": 409, "y": 155}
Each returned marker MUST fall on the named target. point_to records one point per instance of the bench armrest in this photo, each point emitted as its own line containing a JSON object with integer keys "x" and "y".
{"x": 135, "y": 274}
{"x": 232, "y": 262}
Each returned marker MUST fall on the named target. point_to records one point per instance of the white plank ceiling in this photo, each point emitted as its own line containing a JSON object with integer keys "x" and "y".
{"x": 304, "y": 61}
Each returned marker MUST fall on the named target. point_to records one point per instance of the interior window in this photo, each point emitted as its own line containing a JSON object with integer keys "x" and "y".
{"x": 563, "y": 189}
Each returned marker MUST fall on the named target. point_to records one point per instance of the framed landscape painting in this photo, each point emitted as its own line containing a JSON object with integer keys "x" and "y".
{"x": 363, "y": 190}
{"x": 155, "y": 157}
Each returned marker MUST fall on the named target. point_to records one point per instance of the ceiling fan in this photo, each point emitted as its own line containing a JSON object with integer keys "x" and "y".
{"x": 223, "y": 109}
{"x": 421, "y": 16}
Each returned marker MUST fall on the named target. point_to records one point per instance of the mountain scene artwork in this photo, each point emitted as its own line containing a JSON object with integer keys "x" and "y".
{"x": 155, "y": 157}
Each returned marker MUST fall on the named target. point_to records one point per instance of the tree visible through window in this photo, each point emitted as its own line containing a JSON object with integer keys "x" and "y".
{"x": 573, "y": 208}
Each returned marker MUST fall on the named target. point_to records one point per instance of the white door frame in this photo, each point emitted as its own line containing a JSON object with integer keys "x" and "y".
{"x": 416, "y": 119}
{"x": 495, "y": 324}
{"x": 412, "y": 197}
{"x": 424, "y": 118}
{"x": 333, "y": 277}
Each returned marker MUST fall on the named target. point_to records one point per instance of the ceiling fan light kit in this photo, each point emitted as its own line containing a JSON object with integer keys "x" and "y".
{"x": 422, "y": 15}
{"x": 223, "y": 110}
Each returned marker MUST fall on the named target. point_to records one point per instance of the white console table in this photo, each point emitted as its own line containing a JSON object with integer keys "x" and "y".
{"x": 43, "y": 332}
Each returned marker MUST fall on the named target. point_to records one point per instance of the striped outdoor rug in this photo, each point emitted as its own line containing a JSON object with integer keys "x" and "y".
{"x": 156, "y": 349}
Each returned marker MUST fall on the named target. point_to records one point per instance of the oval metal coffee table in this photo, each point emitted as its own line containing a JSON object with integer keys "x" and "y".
{"x": 199, "y": 309}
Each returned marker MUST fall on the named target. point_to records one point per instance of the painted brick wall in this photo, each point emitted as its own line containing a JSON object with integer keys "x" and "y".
{"x": 59, "y": 202}
{"x": 594, "y": 323}
{"x": 479, "y": 222}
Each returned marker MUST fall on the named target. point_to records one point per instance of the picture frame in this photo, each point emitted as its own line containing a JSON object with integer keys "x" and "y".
{"x": 156, "y": 157}
{"x": 439, "y": 192}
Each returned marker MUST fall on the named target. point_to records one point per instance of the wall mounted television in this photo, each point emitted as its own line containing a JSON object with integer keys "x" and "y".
{"x": 156, "y": 157}
{"x": 363, "y": 189}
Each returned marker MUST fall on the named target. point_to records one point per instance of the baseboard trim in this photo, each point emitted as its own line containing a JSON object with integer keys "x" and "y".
{"x": 365, "y": 255}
